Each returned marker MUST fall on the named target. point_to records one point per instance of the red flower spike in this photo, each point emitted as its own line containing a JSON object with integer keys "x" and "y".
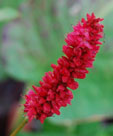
{"x": 80, "y": 51}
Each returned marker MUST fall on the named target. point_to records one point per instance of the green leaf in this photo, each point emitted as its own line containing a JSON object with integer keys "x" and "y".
{"x": 7, "y": 14}
{"x": 2, "y": 72}
{"x": 23, "y": 56}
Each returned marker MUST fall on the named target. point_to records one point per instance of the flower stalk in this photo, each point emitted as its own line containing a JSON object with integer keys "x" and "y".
{"x": 15, "y": 132}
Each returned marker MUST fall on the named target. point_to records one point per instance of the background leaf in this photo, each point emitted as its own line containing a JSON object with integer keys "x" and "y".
{"x": 7, "y": 14}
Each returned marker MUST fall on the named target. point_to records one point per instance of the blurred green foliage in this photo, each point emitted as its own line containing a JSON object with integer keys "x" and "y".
{"x": 31, "y": 37}
{"x": 8, "y": 14}
{"x": 84, "y": 129}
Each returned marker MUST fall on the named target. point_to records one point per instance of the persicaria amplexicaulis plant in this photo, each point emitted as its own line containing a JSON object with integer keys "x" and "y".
{"x": 80, "y": 50}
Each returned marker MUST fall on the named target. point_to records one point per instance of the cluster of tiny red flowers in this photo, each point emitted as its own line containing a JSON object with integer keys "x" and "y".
{"x": 80, "y": 51}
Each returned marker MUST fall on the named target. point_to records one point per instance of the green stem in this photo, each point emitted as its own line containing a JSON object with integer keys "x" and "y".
{"x": 15, "y": 132}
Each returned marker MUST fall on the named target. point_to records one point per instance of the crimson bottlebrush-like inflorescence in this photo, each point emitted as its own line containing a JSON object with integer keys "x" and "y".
{"x": 80, "y": 51}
